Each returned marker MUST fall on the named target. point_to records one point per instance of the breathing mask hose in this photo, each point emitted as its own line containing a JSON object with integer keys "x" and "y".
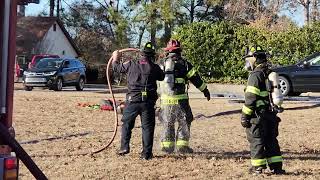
{"x": 116, "y": 120}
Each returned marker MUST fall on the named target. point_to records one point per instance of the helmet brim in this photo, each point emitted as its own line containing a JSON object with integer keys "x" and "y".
{"x": 148, "y": 52}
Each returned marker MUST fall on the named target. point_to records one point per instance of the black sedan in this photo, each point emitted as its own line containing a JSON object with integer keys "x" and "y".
{"x": 55, "y": 73}
{"x": 301, "y": 77}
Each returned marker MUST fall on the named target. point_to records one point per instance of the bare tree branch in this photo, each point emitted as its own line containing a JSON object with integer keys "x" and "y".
{"x": 103, "y": 6}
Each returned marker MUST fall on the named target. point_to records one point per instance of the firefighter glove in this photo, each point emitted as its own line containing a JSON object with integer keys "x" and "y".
{"x": 245, "y": 121}
{"x": 206, "y": 93}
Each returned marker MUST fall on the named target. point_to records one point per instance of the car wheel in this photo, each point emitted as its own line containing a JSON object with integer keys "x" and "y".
{"x": 285, "y": 86}
{"x": 28, "y": 88}
{"x": 80, "y": 84}
{"x": 59, "y": 85}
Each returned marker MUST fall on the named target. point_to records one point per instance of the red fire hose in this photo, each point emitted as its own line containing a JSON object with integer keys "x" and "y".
{"x": 114, "y": 108}
{"x": 114, "y": 101}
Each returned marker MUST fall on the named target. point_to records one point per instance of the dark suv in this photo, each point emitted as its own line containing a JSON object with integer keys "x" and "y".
{"x": 55, "y": 73}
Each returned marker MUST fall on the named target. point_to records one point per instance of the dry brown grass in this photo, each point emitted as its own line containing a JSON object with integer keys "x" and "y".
{"x": 221, "y": 149}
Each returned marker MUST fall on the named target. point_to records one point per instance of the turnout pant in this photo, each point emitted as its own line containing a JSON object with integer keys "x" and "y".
{"x": 264, "y": 146}
{"x": 146, "y": 111}
{"x": 169, "y": 114}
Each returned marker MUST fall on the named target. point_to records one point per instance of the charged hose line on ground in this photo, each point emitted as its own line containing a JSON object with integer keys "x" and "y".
{"x": 114, "y": 101}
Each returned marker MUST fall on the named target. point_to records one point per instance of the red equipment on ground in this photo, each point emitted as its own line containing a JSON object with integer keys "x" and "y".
{"x": 106, "y": 105}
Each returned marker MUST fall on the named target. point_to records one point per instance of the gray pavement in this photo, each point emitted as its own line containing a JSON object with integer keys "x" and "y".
{"x": 218, "y": 91}
{"x": 225, "y": 88}
{"x": 87, "y": 88}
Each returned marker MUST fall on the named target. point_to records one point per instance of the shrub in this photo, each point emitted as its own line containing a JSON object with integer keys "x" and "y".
{"x": 216, "y": 49}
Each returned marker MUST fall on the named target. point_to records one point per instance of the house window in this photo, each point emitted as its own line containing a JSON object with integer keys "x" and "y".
{"x": 54, "y": 27}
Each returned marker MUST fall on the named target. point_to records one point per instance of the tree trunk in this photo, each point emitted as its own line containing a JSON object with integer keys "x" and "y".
{"x": 153, "y": 29}
{"x": 58, "y": 8}
{"x": 51, "y": 8}
{"x": 307, "y": 11}
{"x": 192, "y": 11}
{"x": 315, "y": 11}
{"x": 153, "y": 32}
{"x": 258, "y": 7}
{"x": 142, "y": 29}
{"x": 118, "y": 6}
{"x": 167, "y": 32}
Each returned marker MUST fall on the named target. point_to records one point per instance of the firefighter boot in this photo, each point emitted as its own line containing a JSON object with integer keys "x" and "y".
{"x": 167, "y": 146}
{"x": 144, "y": 156}
{"x": 278, "y": 171}
{"x": 167, "y": 150}
{"x": 276, "y": 168}
{"x": 123, "y": 152}
{"x": 257, "y": 169}
{"x": 185, "y": 150}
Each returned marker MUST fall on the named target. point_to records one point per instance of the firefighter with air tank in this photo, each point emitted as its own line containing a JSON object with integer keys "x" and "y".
{"x": 259, "y": 113}
{"x": 174, "y": 99}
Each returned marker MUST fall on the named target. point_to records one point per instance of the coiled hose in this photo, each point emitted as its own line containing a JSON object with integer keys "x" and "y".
{"x": 114, "y": 101}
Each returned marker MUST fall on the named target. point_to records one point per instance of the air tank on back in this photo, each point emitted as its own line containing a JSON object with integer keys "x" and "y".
{"x": 277, "y": 97}
{"x": 169, "y": 73}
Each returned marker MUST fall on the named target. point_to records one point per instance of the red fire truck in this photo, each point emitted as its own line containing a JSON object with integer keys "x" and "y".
{"x": 10, "y": 149}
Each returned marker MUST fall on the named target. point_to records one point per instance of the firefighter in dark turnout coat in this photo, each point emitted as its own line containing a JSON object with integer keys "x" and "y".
{"x": 258, "y": 117}
{"x": 175, "y": 101}
{"x": 141, "y": 98}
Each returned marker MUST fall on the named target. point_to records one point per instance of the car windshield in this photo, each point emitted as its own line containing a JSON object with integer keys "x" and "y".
{"x": 315, "y": 61}
{"x": 37, "y": 59}
{"x": 309, "y": 58}
{"x": 49, "y": 63}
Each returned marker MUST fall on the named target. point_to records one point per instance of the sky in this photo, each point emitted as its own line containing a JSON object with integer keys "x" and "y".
{"x": 35, "y": 9}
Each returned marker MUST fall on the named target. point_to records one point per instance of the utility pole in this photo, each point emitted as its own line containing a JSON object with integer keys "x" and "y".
{"x": 51, "y": 8}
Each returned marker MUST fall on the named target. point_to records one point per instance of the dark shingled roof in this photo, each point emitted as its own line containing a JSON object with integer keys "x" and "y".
{"x": 31, "y": 30}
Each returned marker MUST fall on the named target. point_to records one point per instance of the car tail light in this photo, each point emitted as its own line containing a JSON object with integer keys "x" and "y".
{"x": 10, "y": 163}
{"x": 10, "y": 168}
